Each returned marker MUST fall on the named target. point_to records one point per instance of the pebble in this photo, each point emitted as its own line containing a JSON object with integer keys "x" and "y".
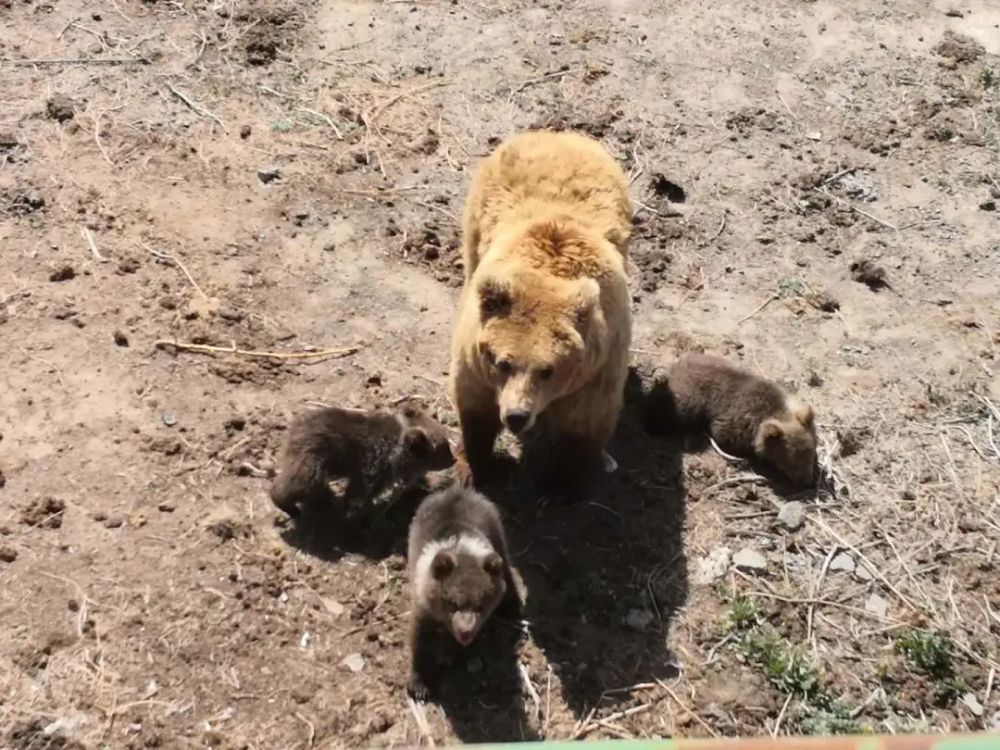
{"x": 334, "y": 607}
{"x": 120, "y": 338}
{"x": 114, "y": 522}
{"x": 989, "y": 205}
{"x": 792, "y": 515}
{"x": 63, "y": 273}
{"x": 639, "y": 619}
{"x": 354, "y": 662}
{"x": 712, "y": 566}
{"x": 268, "y": 175}
{"x": 7, "y": 554}
{"x": 972, "y": 703}
{"x": 750, "y": 560}
{"x": 169, "y": 418}
{"x": 843, "y": 562}
{"x": 166, "y": 507}
{"x": 877, "y": 605}
{"x": 862, "y": 573}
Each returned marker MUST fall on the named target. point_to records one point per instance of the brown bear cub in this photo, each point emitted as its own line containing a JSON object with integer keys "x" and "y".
{"x": 744, "y": 413}
{"x": 460, "y": 573}
{"x": 372, "y": 449}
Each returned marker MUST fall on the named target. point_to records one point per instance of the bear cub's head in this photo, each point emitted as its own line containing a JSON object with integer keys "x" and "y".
{"x": 536, "y": 335}
{"x": 788, "y": 442}
{"x": 423, "y": 442}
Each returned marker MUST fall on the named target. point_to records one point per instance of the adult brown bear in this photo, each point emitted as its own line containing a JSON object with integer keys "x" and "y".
{"x": 544, "y": 323}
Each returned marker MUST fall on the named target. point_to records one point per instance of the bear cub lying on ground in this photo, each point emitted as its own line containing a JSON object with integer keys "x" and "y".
{"x": 744, "y": 413}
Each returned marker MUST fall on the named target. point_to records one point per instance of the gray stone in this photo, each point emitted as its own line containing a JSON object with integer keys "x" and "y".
{"x": 712, "y": 566}
{"x": 972, "y": 703}
{"x": 750, "y": 561}
{"x": 792, "y": 515}
{"x": 267, "y": 175}
{"x": 354, "y": 662}
{"x": 843, "y": 562}
{"x": 639, "y": 619}
{"x": 863, "y": 573}
{"x": 877, "y": 605}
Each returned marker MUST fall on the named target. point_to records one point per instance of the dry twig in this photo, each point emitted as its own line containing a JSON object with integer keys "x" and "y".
{"x": 207, "y": 349}
{"x": 89, "y": 237}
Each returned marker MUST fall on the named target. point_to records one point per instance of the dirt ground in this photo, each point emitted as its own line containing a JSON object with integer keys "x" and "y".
{"x": 287, "y": 177}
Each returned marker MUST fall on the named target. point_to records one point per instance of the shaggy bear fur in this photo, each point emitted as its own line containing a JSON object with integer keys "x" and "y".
{"x": 544, "y": 324}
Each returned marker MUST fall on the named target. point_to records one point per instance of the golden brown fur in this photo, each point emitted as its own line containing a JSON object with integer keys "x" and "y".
{"x": 745, "y": 414}
{"x": 543, "y": 324}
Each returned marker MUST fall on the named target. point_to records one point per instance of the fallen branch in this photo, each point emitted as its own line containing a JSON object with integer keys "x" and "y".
{"x": 180, "y": 346}
{"x": 77, "y": 61}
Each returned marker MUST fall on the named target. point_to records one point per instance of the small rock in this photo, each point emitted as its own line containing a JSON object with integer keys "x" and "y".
{"x": 712, "y": 566}
{"x": 245, "y": 132}
{"x": 63, "y": 273}
{"x": 862, "y": 573}
{"x": 128, "y": 265}
{"x": 268, "y": 175}
{"x": 474, "y": 665}
{"x": 235, "y": 424}
{"x": 354, "y": 662}
{"x": 750, "y": 561}
{"x": 7, "y": 554}
{"x": 114, "y": 521}
{"x": 994, "y": 191}
{"x": 990, "y": 205}
{"x": 166, "y": 507}
{"x": 334, "y": 607}
{"x": 233, "y": 316}
{"x": 432, "y": 253}
{"x": 169, "y": 418}
{"x": 374, "y": 380}
{"x": 61, "y": 108}
{"x": 609, "y": 463}
{"x": 866, "y": 272}
{"x": 639, "y": 619}
{"x": 972, "y": 703}
{"x": 843, "y": 562}
{"x": 792, "y": 515}
{"x": 814, "y": 135}
{"x": 120, "y": 338}
{"x": 877, "y": 605}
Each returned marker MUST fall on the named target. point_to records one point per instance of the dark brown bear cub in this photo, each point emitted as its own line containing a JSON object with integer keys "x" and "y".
{"x": 744, "y": 413}
{"x": 460, "y": 574}
{"x": 372, "y": 449}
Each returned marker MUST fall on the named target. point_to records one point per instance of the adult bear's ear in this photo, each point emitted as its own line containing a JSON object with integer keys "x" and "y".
{"x": 586, "y": 301}
{"x": 495, "y": 299}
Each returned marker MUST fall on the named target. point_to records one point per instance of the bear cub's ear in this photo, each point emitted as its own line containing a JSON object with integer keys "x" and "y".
{"x": 494, "y": 300}
{"x": 770, "y": 433}
{"x": 417, "y": 442}
{"x": 804, "y": 414}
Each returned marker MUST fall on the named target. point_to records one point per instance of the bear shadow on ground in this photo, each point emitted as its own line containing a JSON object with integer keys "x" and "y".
{"x": 605, "y": 576}
{"x": 480, "y": 691}
{"x": 333, "y": 527}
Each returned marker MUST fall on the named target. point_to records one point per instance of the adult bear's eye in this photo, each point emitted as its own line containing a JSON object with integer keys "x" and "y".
{"x": 546, "y": 372}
